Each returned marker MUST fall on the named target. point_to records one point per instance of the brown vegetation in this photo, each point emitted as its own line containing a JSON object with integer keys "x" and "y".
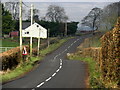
{"x": 107, "y": 56}
{"x": 11, "y": 58}
{"x": 110, "y": 60}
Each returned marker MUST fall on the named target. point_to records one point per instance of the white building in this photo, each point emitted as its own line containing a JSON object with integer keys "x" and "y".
{"x": 35, "y": 30}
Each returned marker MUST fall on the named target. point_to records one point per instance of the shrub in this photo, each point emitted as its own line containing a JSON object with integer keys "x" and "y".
{"x": 10, "y": 58}
{"x": 110, "y": 60}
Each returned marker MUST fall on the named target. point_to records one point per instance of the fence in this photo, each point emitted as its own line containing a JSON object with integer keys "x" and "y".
{"x": 3, "y": 49}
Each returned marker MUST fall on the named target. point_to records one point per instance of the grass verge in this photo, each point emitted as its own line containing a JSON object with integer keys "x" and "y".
{"x": 22, "y": 69}
{"x": 94, "y": 74}
{"x": 52, "y": 47}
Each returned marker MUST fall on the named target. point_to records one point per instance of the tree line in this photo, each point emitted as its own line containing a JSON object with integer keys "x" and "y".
{"x": 102, "y": 19}
{"x": 54, "y": 20}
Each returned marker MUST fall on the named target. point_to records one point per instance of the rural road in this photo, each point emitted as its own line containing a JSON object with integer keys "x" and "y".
{"x": 55, "y": 71}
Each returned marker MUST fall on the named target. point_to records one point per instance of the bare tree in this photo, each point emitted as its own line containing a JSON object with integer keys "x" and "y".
{"x": 13, "y": 7}
{"x": 35, "y": 14}
{"x": 56, "y": 14}
{"x": 109, "y": 16}
{"x": 93, "y": 18}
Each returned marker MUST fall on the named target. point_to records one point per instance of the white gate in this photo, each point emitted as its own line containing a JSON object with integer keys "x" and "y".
{"x": 3, "y": 49}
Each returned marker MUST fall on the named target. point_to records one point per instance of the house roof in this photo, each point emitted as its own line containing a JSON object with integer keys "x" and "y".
{"x": 25, "y": 25}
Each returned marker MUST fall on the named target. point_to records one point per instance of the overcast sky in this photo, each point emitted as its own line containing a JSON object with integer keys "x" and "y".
{"x": 75, "y": 9}
{"x": 65, "y": 0}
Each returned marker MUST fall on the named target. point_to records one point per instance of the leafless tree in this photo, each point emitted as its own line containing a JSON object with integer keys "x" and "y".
{"x": 35, "y": 14}
{"x": 56, "y": 14}
{"x": 13, "y": 7}
{"x": 109, "y": 16}
{"x": 93, "y": 18}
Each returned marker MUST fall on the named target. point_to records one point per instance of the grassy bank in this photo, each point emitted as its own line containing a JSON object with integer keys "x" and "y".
{"x": 20, "y": 70}
{"x": 28, "y": 65}
{"x": 94, "y": 73}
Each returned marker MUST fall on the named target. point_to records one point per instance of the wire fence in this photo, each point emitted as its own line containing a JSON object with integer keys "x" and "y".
{"x": 3, "y": 49}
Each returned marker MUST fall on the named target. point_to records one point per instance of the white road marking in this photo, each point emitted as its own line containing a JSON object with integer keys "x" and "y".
{"x": 65, "y": 49}
{"x": 61, "y": 60}
{"x": 60, "y": 63}
{"x": 68, "y": 46}
{"x": 58, "y": 70}
{"x": 75, "y": 41}
{"x": 60, "y": 67}
{"x": 71, "y": 44}
{"x": 40, "y": 84}
{"x": 53, "y": 74}
{"x": 48, "y": 79}
{"x": 54, "y": 58}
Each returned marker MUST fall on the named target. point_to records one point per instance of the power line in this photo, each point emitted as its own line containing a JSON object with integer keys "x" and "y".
{"x": 25, "y": 5}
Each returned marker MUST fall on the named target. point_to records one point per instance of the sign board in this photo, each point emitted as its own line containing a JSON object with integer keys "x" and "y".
{"x": 35, "y": 30}
{"x": 24, "y": 51}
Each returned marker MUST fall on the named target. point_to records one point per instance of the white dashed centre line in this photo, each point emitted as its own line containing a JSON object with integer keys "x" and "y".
{"x": 60, "y": 64}
{"x": 53, "y": 74}
{"x": 68, "y": 46}
{"x": 48, "y": 79}
{"x": 58, "y": 70}
{"x": 74, "y": 41}
{"x": 40, "y": 84}
{"x": 60, "y": 67}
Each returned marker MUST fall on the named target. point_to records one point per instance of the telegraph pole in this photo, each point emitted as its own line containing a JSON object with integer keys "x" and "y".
{"x": 48, "y": 37}
{"x": 65, "y": 28}
{"x": 31, "y": 24}
{"x": 20, "y": 28}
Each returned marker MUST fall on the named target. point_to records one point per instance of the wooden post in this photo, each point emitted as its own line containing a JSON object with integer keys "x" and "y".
{"x": 65, "y": 28}
{"x": 20, "y": 28}
{"x": 31, "y": 24}
{"x": 38, "y": 46}
{"x": 48, "y": 37}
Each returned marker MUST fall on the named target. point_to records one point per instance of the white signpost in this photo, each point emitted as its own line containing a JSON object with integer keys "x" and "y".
{"x": 35, "y": 30}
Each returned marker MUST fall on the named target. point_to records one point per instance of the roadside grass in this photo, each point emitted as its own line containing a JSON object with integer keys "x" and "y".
{"x": 95, "y": 41}
{"x": 95, "y": 80}
{"x": 25, "y": 67}
{"x": 20, "y": 70}
{"x": 94, "y": 73}
{"x": 52, "y": 47}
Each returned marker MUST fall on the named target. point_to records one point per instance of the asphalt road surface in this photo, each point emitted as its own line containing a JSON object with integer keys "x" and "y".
{"x": 55, "y": 71}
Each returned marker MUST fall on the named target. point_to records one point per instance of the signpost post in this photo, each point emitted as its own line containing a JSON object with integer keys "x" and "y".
{"x": 38, "y": 46}
{"x": 66, "y": 28}
{"x": 48, "y": 37}
{"x": 31, "y": 24}
{"x": 20, "y": 28}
